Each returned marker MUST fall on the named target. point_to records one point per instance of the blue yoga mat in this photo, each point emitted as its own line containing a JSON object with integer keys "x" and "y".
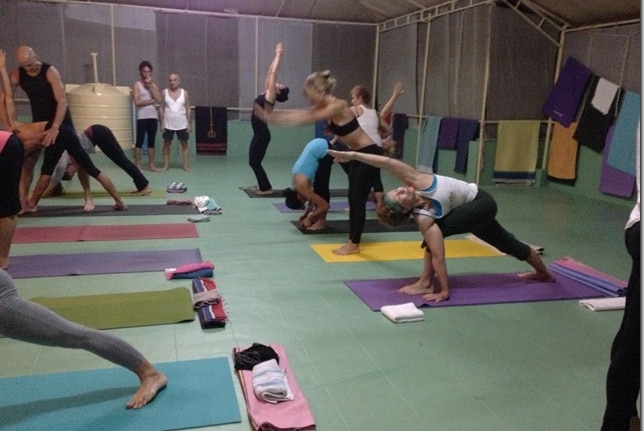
{"x": 199, "y": 393}
{"x": 114, "y": 262}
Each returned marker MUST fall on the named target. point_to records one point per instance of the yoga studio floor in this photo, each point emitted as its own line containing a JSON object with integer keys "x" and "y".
{"x": 501, "y": 367}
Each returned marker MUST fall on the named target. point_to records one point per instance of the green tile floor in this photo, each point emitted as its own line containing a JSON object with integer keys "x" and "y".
{"x": 531, "y": 366}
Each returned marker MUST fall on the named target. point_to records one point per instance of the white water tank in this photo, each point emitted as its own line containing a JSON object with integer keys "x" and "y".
{"x": 102, "y": 104}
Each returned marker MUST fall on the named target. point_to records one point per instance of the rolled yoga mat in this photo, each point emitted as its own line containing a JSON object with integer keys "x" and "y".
{"x": 108, "y": 210}
{"x": 40, "y": 234}
{"x": 404, "y": 250}
{"x": 124, "y": 310}
{"x": 200, "y": 393}
{"x": 473, "y": 289}
{"x": 116, "y": 262}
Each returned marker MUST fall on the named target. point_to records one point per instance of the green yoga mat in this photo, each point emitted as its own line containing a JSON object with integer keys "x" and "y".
{"x": 200, "y": 393}
{"x": 124, "y": 310}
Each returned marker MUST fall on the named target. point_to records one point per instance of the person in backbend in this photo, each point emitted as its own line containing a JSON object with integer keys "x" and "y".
{"x": 273, "y": 92}
{"x": 342, "y": 122}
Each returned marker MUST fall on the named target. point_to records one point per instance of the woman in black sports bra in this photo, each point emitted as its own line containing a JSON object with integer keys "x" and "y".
{"x": 341, "y": 120}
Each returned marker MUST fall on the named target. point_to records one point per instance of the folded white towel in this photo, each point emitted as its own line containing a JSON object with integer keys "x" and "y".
{"x": 269, "y": 382}
{"x": 603, "y": 304}
{"x": 407, "y": 312}
{"x": 604, "y": 95}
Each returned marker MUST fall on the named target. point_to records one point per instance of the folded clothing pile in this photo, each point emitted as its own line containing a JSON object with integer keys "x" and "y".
{"x": 267, "y": 379}
{"x": 190, "y": 270}
{"x": 401, "y": 313}
{"x": 604, "y": 283}
{"x": 211, "y": 313}
{"x": 207, "y": 205}
{"x": 176, "y": 187}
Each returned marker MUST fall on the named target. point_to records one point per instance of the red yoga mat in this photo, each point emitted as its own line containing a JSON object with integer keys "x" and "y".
{"x": 32, "y": 235}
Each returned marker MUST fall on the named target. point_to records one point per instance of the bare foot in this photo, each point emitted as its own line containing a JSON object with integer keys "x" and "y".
{"x": 262, "y": 192}
{"x": 537, "y": 276}
{"x": 149, "y": 388}
{"x": 164, "y": 168}
{"x": 119, "y": 206}
{"x": 89, "y": 207}
{"x": 154, "y": 168}
{"x": 317, "y": 226}
{"x": 29, "y": 209}
{"x": 436, "y": 297}
{"x": 347, "y": 249}
{"x": 186, "y": 168}
{"x": 144, "y": 191}
{"x": 418, "y": 288}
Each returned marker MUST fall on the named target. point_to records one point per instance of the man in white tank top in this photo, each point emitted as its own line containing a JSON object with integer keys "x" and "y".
{"x": 176, "y": 119}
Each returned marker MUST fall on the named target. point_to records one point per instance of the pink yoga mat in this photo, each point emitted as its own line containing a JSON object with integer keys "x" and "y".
{"x": 31, "y": 235}
{"x": 287, "y": 415}
{"x": 473, "y": 289}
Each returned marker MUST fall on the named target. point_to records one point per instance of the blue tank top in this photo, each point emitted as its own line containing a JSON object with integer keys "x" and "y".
{"x": 309, "y": 161}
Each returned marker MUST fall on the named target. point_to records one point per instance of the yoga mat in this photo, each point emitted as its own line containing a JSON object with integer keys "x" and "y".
{"x": 473, "y": 289}
{"x": 277, "y": 193}
{"x": 31, "y": 235}
{"x": 370, "y": 226}
{"x": 108, "y": 210}
{"x": 404, "y": 250}
{"x": 200, "y": 393}
{"x": 124, "y": 310}
{"x": 116, "y": 262}
{"x": 290, "y": 415}
{"x": 78, "y": 194}
{"x": 335, "y": 206}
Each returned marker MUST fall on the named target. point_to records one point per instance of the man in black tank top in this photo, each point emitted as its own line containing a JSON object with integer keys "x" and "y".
{"x": 46, "y": 93}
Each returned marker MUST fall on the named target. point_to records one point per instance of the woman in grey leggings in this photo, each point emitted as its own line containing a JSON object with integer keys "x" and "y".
{"x": 27, "y": 321}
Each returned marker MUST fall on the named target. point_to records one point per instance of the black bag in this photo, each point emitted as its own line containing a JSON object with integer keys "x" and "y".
{"x": 247, "y": 359}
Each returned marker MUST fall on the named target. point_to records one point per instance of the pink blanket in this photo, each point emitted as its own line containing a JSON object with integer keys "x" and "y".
{"x": 284, "y": 416}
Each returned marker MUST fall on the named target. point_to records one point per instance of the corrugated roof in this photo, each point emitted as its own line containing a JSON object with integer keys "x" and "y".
{"x": 575, "y": 12}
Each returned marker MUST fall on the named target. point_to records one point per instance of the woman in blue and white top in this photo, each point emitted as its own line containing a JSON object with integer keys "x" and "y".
{"x": 443, "y": 206}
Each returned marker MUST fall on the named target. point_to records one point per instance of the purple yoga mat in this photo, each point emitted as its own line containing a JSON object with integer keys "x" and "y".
{"x": 474, "y": 289}
{"x": 338, "y": 206}
{"x": 57, "y": 265}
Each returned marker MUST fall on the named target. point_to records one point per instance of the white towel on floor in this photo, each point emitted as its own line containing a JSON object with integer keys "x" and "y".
{"x": 603, "y": 304}
{"x": 269, "y": 382}
{"x": 604, "y": 95}
{"x": 401, "y": 313}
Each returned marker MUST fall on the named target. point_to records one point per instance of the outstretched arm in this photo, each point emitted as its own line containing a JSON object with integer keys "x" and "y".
{"x": 400, "y": 170}
{"x": 7, "y": 107}
{"x": 270, "y": 85}
{"x": 398, "y": 90}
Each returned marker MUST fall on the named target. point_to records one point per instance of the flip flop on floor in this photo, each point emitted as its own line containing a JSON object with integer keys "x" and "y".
{"x": 176, "y": 187}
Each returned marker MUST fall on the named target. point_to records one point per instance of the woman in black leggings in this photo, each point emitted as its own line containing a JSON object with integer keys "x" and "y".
{"x": 443, "y": 206}
{"x": 343, "y": 123}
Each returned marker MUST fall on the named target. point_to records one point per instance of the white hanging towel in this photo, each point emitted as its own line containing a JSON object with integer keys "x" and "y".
{"x": 604, "y": 95}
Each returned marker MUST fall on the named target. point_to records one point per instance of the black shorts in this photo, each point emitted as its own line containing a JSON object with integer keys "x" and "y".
{"x": 181, "y": 134}
{"x": 10, "y": 166}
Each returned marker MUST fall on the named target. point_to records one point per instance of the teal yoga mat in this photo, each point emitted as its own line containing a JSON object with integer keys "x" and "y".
{"x": 199, "y": 393}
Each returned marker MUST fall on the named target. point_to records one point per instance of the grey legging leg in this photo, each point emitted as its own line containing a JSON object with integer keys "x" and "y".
{"x": 24, "y": 320}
